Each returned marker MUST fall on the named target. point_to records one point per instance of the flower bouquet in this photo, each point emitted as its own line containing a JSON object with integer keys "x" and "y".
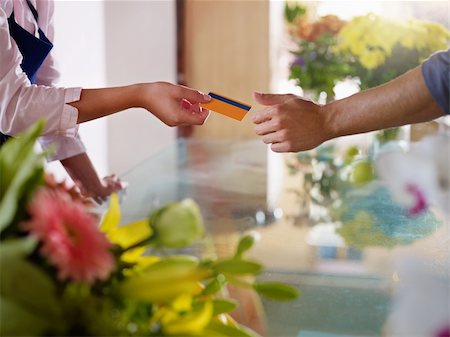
{"x": 67, "y": 272}
{"x": 406, "y": 200}
{"x": 383, "y": 200}
{"x": 382, "y": 49}
{"x": 322, "y": 185}
{"x": 370, "y": 50}
{"x": 316, "y": 66}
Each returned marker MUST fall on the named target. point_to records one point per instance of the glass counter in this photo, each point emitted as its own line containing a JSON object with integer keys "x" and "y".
{"x": 345, "y": 290}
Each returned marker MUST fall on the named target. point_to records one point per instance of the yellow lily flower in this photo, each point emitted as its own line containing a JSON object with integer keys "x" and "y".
{"x": 127, "y": 235}
{"x": 191, "y": 323}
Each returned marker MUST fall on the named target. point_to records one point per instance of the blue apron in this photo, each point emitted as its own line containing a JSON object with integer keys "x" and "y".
{"x": 34, "y": 49}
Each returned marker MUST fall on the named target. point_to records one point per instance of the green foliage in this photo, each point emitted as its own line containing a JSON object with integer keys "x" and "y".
{"x": 146, "y": 295}
{"x": 325, "y": 180}
{"x": 215, "y": 285}
{"x": 221, "y": 306}
{"x": 177, "y": 224}
{"x": 293, "y": 10}
{"x": 238, "y": 267}
{"x": 245, "y": 243}
{"x": 387, "y": 135}
{"x": 276, "y": 291}
{"x": 317, "y": 68}
{"x": 37, "y": 303}
{"x": 21, "y": 172}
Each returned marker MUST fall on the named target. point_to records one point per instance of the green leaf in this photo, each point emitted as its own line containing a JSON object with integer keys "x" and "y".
{"x": 15, "y": 320}
{"x": 25, "y": 284}
{"x": 221, "y": 306}
{"x": 292, "y": 11}
{"x": 20, "y": 167}
{"x": 245, "y": 244}
{"x": 15, "y": 151}
{"x": 237, "y": 266}
{"x": 214, "y": 285}
{"x": 11, "y": 249}
{"x": 276, "y": 291}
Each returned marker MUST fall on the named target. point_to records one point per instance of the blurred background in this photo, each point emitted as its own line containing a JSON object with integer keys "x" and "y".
{"x": 234, "y": 48}
{"x": 230, "y": 47}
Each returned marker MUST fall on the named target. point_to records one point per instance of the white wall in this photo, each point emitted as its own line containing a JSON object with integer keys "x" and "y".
{"x": 140, "y": 47}
{"x": 80, "y": 53}
{"x": 109, "y": 43}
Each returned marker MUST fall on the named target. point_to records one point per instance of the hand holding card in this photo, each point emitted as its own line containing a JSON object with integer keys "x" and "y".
{"x": 226, "y": 106}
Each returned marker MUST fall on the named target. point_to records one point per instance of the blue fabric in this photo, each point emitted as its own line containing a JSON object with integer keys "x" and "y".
{"x": 34, "y": 50}
{"x": 436, "y": 73}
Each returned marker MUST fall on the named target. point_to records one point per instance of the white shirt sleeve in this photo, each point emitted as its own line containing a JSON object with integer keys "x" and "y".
{"x": 68, "y": 143}
{"x": 22, "y": 104}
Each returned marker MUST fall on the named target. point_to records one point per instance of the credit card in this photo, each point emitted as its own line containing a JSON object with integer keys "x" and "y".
{"x": 226, "y": 106}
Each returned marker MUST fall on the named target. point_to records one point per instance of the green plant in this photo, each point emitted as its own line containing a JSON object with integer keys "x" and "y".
{"x": 62, "y": 275}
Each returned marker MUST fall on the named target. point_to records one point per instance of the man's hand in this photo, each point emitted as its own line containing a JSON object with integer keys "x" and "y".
{"x": 290, "y": 123}
{"x": 174, "y": 105}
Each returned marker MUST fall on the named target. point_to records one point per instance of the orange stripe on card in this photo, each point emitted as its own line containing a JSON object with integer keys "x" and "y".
{"x": 225, "y": 109}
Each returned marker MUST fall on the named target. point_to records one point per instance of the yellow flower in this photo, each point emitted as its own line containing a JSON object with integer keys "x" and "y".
{"x": 127, "y": 235}
{"x": 166, "y": 279}
{"x": 182, "y": 303}
{"x": 371, "y": 39}
{"x": 372, "y": 59}
{"x": 136, "y": 256}
{"x": 191, "y": 323}
{"x": 111, "y": 219}
{"x": 168, "y": 316}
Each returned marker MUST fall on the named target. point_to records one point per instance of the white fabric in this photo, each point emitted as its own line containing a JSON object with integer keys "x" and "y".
{"x": 21, "y": 103}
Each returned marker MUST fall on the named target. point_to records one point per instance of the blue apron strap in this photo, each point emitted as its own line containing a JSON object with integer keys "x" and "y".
{"x": 33, "y": 10}
{"x": 34, "y": 50}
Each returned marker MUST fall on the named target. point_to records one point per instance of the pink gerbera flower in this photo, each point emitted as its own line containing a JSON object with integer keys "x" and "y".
{"x": 69, "y": 237}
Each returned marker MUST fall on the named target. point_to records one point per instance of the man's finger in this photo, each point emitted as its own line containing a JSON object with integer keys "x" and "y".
{"x": 271, "y": 99}
{"x": 262, "y": 116}
{"x": 273, "y": 137}
{"x": 280, "y": 147}
{"x": 265, "y": 128}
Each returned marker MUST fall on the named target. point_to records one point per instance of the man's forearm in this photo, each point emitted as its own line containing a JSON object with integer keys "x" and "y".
{"x": 404, "y": 100}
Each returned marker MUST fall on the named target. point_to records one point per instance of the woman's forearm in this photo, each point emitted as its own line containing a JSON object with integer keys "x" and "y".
{"x": 96, "y": 103}
{"x": 404, "y": 100}
{"x": 81, "y": 170}
{"x": 174, "y": 105}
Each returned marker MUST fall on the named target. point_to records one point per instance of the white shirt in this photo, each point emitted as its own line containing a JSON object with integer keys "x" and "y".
{"x": 21, "y": 103}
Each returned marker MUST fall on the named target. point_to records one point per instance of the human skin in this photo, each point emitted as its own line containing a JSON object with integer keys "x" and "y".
{"x": 174, "y": 105}
{"x": 292, "y": 124}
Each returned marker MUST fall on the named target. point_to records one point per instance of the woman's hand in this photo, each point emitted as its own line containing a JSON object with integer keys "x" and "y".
{"x": 108, "y": 185}
{"x": 83, "y": 174}
{"x": 174, "y": 105}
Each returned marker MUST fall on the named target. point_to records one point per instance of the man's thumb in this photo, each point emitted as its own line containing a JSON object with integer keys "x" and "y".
{"x": 270, "y": 99}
